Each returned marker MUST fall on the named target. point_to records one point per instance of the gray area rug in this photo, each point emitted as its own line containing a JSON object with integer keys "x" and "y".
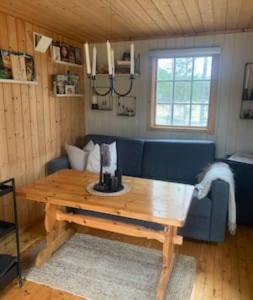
{"x": 100, "y": 269}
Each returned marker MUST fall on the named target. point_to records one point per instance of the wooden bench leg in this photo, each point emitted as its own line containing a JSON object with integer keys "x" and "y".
{"x": 57, "y": 234}
{"x": 168, "y": 260}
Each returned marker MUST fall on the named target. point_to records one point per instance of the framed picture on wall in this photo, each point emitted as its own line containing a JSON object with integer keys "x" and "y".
{"x": 101, "y": 102}
{"x": 126, "y": 106}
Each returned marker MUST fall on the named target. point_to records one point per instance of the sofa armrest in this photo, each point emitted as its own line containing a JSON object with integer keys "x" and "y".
{"x": 219, "y": 197}
{"x": 57, "y": 164}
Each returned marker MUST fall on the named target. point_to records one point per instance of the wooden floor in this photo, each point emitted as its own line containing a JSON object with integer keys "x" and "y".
{"x": 224, "y": 271}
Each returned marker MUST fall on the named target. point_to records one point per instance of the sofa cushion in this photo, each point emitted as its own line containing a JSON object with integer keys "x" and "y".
{"x": 176, "y": 160}
{"x": 129, "y": 152}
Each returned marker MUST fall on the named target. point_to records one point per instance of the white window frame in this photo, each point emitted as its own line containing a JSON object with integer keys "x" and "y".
{"x": 175, "y": 53}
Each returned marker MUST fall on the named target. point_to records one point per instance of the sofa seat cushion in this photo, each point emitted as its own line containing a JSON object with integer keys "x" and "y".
{"x": 148, "y": 225}
{"x": 129, "y": 152}
{"x": 176, "y": 160}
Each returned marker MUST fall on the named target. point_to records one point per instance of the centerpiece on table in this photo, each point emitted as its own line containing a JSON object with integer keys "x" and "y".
{"x": 108, "y": 183}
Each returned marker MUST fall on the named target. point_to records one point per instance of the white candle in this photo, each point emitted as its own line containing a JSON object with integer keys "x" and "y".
{"x": 247, "y": 78}
{"x": 113, "y": 64}
{"x": 109, "y": 57}
{"x": 87, "y": 57}
{"x": 94, "y": 61}
{"x": 132, "y": 59}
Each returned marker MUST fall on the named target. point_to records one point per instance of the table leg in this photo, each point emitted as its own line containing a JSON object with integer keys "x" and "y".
{"x": 57, "y": 234}
{"x": 168, "y": 260}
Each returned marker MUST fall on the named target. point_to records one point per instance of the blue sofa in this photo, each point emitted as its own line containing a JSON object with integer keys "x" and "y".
{"x": 175, "y": 161}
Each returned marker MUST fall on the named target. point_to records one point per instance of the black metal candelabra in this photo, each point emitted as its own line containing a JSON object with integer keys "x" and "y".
{"x": 111, "y": 89}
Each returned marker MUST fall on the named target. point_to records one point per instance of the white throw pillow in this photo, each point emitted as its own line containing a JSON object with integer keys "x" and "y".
{"x": 93, "y": 162}
{"x": 89, "y": 147}
{"x": 77, "y": 157}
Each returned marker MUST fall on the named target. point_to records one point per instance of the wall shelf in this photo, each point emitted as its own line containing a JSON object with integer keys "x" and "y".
{"x": 67, "y": 96}
{"x": 66, "y": 63}
{"x": 13, "y": 81}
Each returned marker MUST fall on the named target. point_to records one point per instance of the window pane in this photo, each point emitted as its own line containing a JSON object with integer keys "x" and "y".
{"x": 164, "y": 91}
{"x": 163, "y": 114}
{"x": 181, "y": 115}
{"x": 199, "y": 115}
{"x": 203, "y": 67}
{"x": 182, "y": 91}
{"x": 183, "y": 68}
{"x": 201, "y": 91}
{"x": 165, "y": 69}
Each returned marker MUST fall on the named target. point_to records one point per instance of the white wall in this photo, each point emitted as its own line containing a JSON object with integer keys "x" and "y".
{"x": 231, "y": 134}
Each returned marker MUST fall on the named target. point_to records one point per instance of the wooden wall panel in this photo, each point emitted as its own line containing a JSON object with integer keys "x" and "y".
{"x": 33, "y": 125}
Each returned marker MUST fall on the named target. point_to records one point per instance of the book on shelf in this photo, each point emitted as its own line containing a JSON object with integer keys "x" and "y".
{"x": 74, "y": 79}
{"x": 55, "y": 51}
{"x": 18, "y": 67}
{"x": 125, "y": 63}
{"x": 29, "y": 65}
{"x": 72, "y": 56}
{"x": 78, "y": 56}
{"x": 5, "y": 65}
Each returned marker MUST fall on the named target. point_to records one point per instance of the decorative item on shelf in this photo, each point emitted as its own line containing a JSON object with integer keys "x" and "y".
{"x": 247, "y": 93}
{"x": 126, "y": 106}
{"x": 55, "y": 51}
{"x": 66, "y": 84}
{"x": 108, "y": 183}
{"x": 65, "y": 53}
{"x": 41, "y": 42}
{"x": 64, "y": 50}
{"x": 16, "y": 66}
{"x": 91, "y": 73}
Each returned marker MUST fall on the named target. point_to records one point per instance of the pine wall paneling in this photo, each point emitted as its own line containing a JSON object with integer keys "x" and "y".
{"x": 231, "y": 133}
{"x": 33, "y": 125}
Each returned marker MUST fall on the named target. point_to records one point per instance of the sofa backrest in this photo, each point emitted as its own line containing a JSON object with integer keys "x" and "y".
{"x": 129, "y": 152}
{"x": 170, "y": 160}
{"x": 176, "y": 160}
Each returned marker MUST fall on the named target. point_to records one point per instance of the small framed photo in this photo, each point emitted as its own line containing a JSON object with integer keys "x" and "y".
{"x": 72, "y": 55}
{"x": 69, "y": 89}
{"x": 105, "y": 102}
{"x": 78, "y": 59}
{"x": 64, "y": 51}
{"x": 126, "y": 106}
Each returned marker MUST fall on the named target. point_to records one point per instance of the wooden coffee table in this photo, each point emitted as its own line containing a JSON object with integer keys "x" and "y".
{"x": 155, "y": 201}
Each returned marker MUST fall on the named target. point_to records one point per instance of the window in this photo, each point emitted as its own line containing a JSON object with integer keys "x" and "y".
{"x": 183, "y": 92}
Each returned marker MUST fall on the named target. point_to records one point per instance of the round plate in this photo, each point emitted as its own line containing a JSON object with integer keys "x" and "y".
{"x": 90, "y": 189}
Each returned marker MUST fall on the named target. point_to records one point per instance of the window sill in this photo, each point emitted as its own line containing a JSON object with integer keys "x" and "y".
{"x": 182, "y": 129}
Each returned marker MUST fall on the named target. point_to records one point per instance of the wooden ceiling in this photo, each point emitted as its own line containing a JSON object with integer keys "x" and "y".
{"x": 99, "y": 20}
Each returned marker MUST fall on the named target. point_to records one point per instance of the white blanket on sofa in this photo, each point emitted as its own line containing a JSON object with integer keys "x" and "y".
{"x": 221, "y": 171}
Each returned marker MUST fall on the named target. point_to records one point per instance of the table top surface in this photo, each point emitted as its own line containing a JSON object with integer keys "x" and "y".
{"x": 148, "y": 200}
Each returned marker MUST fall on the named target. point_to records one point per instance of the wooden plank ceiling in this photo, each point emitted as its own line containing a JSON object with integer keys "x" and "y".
{"x": 99, "y": 20}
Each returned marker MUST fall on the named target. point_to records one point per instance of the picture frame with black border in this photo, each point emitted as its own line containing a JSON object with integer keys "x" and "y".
{"x": 126, "y": 106}
{"x": 104, "y": 103}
